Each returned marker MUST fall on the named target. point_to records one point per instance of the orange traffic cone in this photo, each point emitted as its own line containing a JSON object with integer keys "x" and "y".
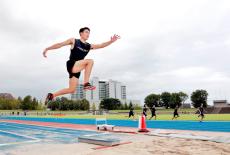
{"x": 142, "y": 124}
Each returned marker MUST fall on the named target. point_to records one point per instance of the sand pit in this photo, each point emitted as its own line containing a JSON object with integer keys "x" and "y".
{"x": 141, "y": 144}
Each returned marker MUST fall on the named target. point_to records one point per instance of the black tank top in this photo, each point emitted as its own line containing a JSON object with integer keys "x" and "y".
{"x": 79, "y": 51}
{"x": 175, "y": 110}
{"x": 201, "y": 110}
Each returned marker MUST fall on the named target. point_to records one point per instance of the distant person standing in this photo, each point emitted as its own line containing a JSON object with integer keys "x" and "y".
{"x": 153, "y": 111}
{"x": 131, "y": 112}
{"x": 145, "y": 109}
{"x": 175, "y": 113}
{"x": 201, "y": 112}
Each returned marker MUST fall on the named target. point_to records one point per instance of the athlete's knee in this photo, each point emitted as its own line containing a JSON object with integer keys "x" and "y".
{"x": 90, "y": 61}
{"x": 72, "y": 90}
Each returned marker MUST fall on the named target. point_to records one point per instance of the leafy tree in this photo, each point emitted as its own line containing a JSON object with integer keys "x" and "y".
{"x": 152, "y": 99}
{"x": 110, "y": 104}
{"x": 55, "y": 105}
{"x": 84, "y": 105}
{"x": 71, "y": 105}
{"x": 66, "y": 104}
{"x": 26, "y": 103}
{"x": 183, "y": 96}
{"x": 165, "y": 99}
{"x": 63, "y": 103}
{"x": 122, "y": 107}
{"x": 19, "y": 100}
{"x": 9, "y": 104}
{"x": 52, "y": 105}
{"x": 175, "y": 100}
{"x": 199, "y": 97}
{"x": 33, "y": 104}
{"x": 126, "y": 106}
{"x": 76, "y": 105}
{"x": 93, "y": 107}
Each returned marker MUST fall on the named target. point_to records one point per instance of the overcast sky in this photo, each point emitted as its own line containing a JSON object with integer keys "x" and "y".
{"x": 166, "y": 45}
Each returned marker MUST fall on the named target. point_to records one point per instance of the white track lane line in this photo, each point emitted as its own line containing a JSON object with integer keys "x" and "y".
{"x": 96, "y": 134}
{"x": 20, "y": 127}
{"x": 47, "y": 126}
{"x": 25, "y": 136}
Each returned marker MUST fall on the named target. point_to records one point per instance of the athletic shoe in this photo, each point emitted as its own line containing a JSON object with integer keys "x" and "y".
{"x": 88, "y": 86}
{"x": 49, "y": 98}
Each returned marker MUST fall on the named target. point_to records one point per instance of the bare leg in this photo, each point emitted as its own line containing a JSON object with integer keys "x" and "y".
{"x": 86, "y": 64}
{"x": 202, "y": 117}
{"x": 88, "y": 70}
{"x": 150, "y": 118}
{"x": 72, "y": 87}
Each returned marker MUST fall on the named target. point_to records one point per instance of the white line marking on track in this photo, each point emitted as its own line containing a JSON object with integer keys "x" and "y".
{"x": 14, "y": 143}
{"x": 96, "y": 134}
{"x": 36, "y": 129}
{"x": 47, "y": 126}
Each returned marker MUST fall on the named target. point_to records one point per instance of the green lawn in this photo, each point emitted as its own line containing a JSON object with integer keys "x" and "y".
{"x": 163, "y": 114}
{"x": 209, "y": 117}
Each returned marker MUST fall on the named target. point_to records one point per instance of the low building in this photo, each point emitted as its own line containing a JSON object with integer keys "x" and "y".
{"x": 134, "y": 102}
{"x": 186, "y": 105}
{"x": 221, "y": 103}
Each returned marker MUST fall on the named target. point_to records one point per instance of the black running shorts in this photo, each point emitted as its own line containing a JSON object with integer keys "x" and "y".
{"x": 131, "y": 113}
{"x": 175, "y": 114}
{"x": 69, "y": 65}
{"x": 153, "y": 114}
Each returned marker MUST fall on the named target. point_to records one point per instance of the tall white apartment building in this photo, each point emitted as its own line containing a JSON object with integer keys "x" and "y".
{"x": 113, "y": 89}
{"x": 79, "y": 93}
{"x": 104, "y": 89}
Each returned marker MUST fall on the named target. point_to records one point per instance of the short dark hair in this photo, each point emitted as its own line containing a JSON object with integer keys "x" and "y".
{"x": 83, "y": 29}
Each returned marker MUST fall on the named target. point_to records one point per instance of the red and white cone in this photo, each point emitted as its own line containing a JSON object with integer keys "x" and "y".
{"x": 142, "y": 124}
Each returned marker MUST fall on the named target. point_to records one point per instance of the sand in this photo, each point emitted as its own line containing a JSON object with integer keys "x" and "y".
{"x": 141, "y": 145}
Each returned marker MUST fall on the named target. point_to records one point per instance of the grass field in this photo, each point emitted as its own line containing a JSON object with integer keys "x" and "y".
{"x": 163, "y": 114}
{"x": 208, "y": 117}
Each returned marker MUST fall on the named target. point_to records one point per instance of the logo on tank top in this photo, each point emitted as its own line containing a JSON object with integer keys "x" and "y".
{"x": 82, "y": 49}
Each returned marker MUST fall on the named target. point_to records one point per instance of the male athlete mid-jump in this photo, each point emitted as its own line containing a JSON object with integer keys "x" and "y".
{"x": 76, "y": 63}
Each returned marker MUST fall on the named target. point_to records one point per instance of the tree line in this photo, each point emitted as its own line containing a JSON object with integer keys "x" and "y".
{"x": 171, "y": 100}
{"x": 115, "y": 104}
{"x": 64, "y": 103}
{"x": 165, "y": 99}
{"x": 26, "y": 103}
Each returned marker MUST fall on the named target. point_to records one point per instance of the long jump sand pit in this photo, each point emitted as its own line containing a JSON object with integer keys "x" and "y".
{"x": 141, "y": 144}
{"x": 61, "y": 138}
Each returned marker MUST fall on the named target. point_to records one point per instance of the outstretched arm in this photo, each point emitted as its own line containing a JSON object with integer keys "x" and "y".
{"x": 58, "y": 45}
{"x": 102, "y": 45}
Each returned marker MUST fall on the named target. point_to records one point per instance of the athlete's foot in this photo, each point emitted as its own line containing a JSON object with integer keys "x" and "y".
{"x": 88, "y": 86}
{"x": 49, "y": 98}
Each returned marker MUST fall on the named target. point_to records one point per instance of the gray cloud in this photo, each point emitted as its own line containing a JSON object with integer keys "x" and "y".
{"x": 182, "y": 51}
